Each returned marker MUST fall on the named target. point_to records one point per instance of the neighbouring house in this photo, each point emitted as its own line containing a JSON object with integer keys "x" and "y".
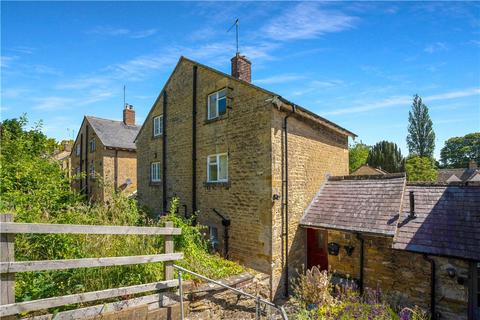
{"x": 104, "y": 156}
{"x": 246, "y": 159}
{"x": 63, "y": 158}
{"x": 470, "y": 174}
{"x": 419, "y": 242}
{"x": 366, "y": 170}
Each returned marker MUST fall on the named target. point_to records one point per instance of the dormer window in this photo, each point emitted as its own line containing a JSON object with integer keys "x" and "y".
{"x": 158, "y": 126}
{"x": 217, "y": 104}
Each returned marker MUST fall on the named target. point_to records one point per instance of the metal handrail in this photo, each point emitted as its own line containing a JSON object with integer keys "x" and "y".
{"x": 240, "y": 292}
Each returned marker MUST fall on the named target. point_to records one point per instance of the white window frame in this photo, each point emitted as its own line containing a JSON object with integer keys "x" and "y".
{"x": 92, "y": 170}
{"x": 78, "y": 150}
{"x": 217, "y": 157}
{"x": 93, "y": 145}
{"x": 158, "y": 125}
{"x": 216, "y": 94}
{"x": 155, "y": 166}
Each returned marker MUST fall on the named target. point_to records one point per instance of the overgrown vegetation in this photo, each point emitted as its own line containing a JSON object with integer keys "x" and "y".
{"x": 36, "y": 190}
{"x": 317, "y": 299}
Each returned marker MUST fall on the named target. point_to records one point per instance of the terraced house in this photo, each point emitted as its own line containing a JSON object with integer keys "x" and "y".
{"x": 103, "y": 158}
{"x": 245, "y": 159}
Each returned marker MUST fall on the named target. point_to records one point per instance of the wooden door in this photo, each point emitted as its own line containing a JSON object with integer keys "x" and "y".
{"x": 317, "y": 254}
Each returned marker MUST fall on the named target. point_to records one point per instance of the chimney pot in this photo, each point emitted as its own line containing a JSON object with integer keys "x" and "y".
{"x": 129, "y": 115}
{"x": 241, "y": 68}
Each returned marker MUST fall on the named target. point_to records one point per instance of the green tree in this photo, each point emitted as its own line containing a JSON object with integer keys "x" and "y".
{"x": 387, "y": 156}
{"x": 458, "y": 151}
{"x": 421, "y": 169}
{"x": 420, "y": 138}
{"x": 357, "y": 155}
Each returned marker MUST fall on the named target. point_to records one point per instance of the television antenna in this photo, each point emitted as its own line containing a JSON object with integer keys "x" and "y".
{"x": 235, "y": 24}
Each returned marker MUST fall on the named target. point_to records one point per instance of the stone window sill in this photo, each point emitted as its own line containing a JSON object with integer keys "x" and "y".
{"x": 219, "y": 118}
{"x": 157, "y": 137}
{"x": 217, "y": 185}
{"x": 155, "y": 183}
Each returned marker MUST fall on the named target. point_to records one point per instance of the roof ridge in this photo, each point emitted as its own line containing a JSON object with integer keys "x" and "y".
{"x": 368, "y": 177}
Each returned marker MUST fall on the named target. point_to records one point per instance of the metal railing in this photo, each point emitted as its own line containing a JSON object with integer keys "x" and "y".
{"x": 258, "y": 300}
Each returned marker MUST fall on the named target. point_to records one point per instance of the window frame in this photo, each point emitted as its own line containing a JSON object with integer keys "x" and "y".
{"x": 217, "y": 113}
{"x": 153, "y": 165}
{"x": 78, "y": 150}
{"x": 217, "y": 159}
{"x": 93, "y": 145}
{"x": 160, "y": 126}
{"x": 92, "y": 170}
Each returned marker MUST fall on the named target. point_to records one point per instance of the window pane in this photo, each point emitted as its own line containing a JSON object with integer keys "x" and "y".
{"x": 160, "y": 125}
{"x": 212, "y": 106}
{"x": 222, "y": 93}
{"x": 222, "y": 105}
{"x": 212, "y": 159}
{"x": 223, "y": 169}
{"x": 212, "y": 172}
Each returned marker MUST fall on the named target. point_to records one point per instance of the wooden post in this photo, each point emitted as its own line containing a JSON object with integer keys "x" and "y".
{"x": 168, "y": 249}
{"x": 7, "y": 254}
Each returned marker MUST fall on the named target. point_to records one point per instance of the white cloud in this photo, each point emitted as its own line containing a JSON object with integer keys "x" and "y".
{"x": 115, "y": 32}
{"x": 404, "y": 101}
{"x": 316, "y": 85}
{"x": 5, "y": 61}
{"x": 52, "y": 103}
{"x": 435, "y": 47}
{"x": 280, "y": 78}
{"x": 307, "y": 20}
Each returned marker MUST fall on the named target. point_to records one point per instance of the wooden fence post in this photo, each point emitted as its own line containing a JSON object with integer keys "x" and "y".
{"x": 7, "y": 254}
{"x": 168, "y": 248}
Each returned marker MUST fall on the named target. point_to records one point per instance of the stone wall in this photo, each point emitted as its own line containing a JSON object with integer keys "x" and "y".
{"x": 402, "y": 274}
{"x": 313, "y": 152}
{"x": 126, "y": 169}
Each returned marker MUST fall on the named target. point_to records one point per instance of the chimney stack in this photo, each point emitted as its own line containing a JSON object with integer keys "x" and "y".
{"x": 129, "y": 115}
{"x": 241, "y": 68}
{"x": 472, "y": 164}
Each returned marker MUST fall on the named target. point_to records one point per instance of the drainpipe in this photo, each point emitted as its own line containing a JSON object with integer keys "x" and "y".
{"x": 226, "y": 225}
{"x": 285, "y": 192}
{"x": 164, "y": 153}
{"x": 194, "y": 143}
{"x": 115, "y": 170}
{"x": 81, "y": 162}
{"x": 86, "y": 162}
{"x": 362, "y": 257}
{"x": 432, "y": 285}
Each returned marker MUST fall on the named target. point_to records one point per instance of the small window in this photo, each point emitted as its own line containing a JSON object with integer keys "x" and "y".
{"x": 213, "y": 237}
{"x": 157, "y": 126}
{"x": 217, "y": 104}
{"x": 217, "y": 168}
{"x": 77, "y": 151}
{"x": 77, "y": 172}
{"x": 155, "y": 172}
{"x": 92, "y": 145}
{"x": 92, "y": 170}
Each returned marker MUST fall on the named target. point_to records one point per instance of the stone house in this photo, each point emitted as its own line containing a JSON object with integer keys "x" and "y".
{"x": 245, "y": 159}
{"x": 468, "y": 175}
{"x": 366, "y": 170}
{"x": 63, "y": 158}
{"x": 104, "y": 156}
{"x": 418, "y": 242}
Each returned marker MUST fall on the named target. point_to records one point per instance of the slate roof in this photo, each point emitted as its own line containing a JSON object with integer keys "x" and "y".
{"x": 369, "y": 204}
{"x": 447, "y": 221}
{"x": 114, "y": 134}
{"x": 456, "y": 175}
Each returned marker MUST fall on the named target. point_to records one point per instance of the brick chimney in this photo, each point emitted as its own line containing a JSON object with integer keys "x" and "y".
{"x": 241, "y": 68}
{"x": 472, "y": 164}
{"x": 129, "y": 115}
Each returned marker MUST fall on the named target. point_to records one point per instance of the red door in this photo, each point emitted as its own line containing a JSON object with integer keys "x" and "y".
{"x": 317, "y": 254}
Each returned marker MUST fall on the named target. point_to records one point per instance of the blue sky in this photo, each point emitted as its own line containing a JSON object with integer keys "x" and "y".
{"x": 355, "y": 63}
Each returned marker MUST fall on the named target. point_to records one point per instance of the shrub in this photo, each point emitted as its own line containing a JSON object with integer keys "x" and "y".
{"x": 313, "y": 288}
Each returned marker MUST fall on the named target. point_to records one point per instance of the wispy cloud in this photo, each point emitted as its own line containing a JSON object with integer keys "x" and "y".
{"x": 316, "y": 85}
{"x": 52, "y": 103}
{"x": 435, "y": 47}
{"x": 5, "y": 61}
{"x": 307, "y": 20}
{"x": 404, "y": 101}
{"x": 280, "y": 78}
{"x": 23, "y": 49}
{"x": 115, "y": 32}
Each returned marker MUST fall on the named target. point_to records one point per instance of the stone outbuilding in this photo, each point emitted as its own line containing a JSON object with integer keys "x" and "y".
{"x": 366, "y": 170}
{"x": 418, "y": 242}
{"x": 104, "y": 158}
{"x": 244, "y": 159}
